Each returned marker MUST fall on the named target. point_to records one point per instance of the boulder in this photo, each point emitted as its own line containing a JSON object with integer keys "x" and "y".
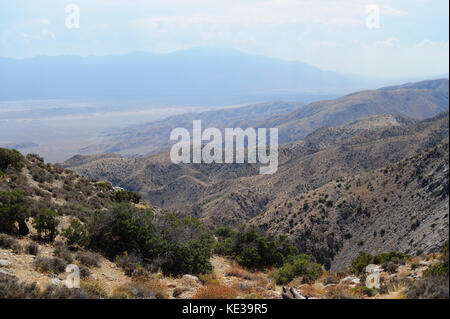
{"x": 55, "y": 281}
{"x": 352, "y": 280}
{"x": 190, "y": 277}
{"x": 4, "y": 263}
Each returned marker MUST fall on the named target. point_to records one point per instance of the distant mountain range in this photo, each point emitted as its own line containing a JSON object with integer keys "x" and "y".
{"x": 202, "y": 76}
{"x": 294, "y": 120}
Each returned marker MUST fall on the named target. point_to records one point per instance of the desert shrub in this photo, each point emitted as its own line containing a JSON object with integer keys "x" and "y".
{"x": 216, "y": 291}
{"x": 428, "y": 288}
{"x": 62, "y": 252}
{"x": 141, "y": 289}
{"x": 130, "y": 263}
{"x": 360, "y": 262}
{"x": 45, "y": 223}
{"x": 251, "y": 248}
{"x": 390, "y": 267}
{"x": 76, "y": 234}
{"x": 364, "y": 291}
{"x": 7, "y": 241}
{"x": 84, "y": 271}
{"x": 237, "y": 271}
{"x": 126, "y": 196}
{"x": 94, "y": 288}
{"x": 122, "y": 228}
{"x": 50, "y": 265}
{"x": 32, "y": 249}
{"x": 207, "y": 279}
{"x": 175, "y": 245}
{"x": 10, "y": 158}
{"x": 62, "y": 292}
{"x": 11, "y": 288}
{"x": 440, "y": 269}
{"x": 14, "y": 209}
{"x": 88, "y": 259}
{"x": 34, "y": 156}
{"x": 330, "y": 279}
{"x": 298, "y": 266}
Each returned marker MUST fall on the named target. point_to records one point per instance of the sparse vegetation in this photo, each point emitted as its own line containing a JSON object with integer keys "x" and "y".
{"x": 360, "y": 262}
{"x": 50, "y": 265}
{"x": 14, "y": 211}
{"x": 45, "y": 222}
{"x": 76, "y": 234}
{"x": 298, "y": 266}
{"x": 175, "y": 245}
{"x": 252, "y": 249}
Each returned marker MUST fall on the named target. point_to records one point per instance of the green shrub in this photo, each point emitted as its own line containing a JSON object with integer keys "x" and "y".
{"x": 10, "y": 158}
{"x": 131, "y": 264}
{"x": 360, "y": 262}
{"x": 14, "y": 209}
{"x": 252, "y": 249}
{"x": 298, "y": 266}
{"x": 76, "y": 234}
{"x": 126, "y": 196}
{"x": 440, "y": 269}
{"x": 364, "y": 291}
{"x": 45, "y": 223}
{"x": 175, "y": 245}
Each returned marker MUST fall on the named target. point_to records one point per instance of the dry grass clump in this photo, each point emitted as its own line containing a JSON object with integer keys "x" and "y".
{"x": 11, "y": 288}
{"x": 206, "y": 279}
{"x": 217, "y": 291}
{"x": 88, "y": 259}
{"x": 237, "y": 271}
{"x": 339, "y": 292}
{"x": 9, "y": 242}
{"x": 141, "y": 288}
{"x": 94, "y": 288}
{"x": 32, "y": 248}
{"x": 62, "y": 252}
{"x": 50, "y": 265}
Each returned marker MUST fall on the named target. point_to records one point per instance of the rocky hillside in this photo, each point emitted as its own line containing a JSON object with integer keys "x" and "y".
{"x": 232, "y": 194}
{"x": 416, "y": 100}
{"x": 52, "y": 218}
{"x": 403, "y": 207}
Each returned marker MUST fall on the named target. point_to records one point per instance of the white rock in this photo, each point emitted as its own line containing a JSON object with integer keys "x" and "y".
{"x": 350, "y": 280}
{"x": 190, "y": 277}
{"x": 56, "y": 281}
{"x": 4, "y": 263}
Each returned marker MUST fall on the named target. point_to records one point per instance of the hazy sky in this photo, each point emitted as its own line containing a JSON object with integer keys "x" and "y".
{"x": 412, "y": 38}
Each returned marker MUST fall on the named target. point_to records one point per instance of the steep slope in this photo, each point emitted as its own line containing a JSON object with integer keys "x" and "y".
{"x": 403, "y": 206}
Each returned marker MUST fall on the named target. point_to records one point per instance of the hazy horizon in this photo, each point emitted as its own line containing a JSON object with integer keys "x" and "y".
{"x": 397, "y": 39}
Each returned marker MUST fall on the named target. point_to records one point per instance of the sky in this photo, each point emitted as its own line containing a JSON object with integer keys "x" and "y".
{"x": 378, "y": 38}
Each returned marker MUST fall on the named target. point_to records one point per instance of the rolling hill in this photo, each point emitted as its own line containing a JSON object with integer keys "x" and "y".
{"x": 294, "y": 120}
